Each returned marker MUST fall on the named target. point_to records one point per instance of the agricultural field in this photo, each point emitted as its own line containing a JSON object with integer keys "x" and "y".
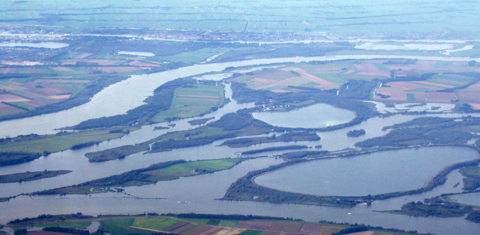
{"x": 206, "y": 226}
{"x": 193, "y": 101}
{"x": 453, "y": 82}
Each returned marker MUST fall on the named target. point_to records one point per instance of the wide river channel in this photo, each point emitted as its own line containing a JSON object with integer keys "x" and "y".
{"x": 202, "y": 191}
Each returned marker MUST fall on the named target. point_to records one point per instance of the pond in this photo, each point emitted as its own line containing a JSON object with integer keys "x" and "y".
{"x": 315, "y": 116}
{"x": 375, "y": 173}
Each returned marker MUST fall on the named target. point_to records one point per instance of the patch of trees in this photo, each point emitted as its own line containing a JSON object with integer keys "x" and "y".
{"x": 66, "y": 230}
{"x": 200, "y": 121}
{"x": 287, "y": 137}
{"x": 425, "y": 131}
{"x": 303, "y": 154}
{"x": 435, "y": 207}
{"x": 271, "y": 149}
{"x": 355, "y": 229}
{"x": 84, "y": 145}
{"x": 175, "y": 144}
{"x": 356, "y": 133}
{"x": 14, "y": 158}
{"x": 46, "y": 217}
{"x": 238, "y": 121}
{"x": 471, "y": 180}
{"x": 116, "y": 153}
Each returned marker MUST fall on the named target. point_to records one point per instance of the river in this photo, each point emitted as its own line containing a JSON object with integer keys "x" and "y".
{"x": 200, "y": 191}
{"x": 130, "y": 93}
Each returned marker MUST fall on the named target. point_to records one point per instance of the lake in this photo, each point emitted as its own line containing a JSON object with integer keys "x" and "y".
{"x": 375, "y": 173}
{"x": 314, "y": 116}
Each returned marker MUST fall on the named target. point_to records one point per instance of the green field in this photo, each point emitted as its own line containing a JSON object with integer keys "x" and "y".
{"x": 210, "y": 166}
{"x": 251, "y": 232}
{"x": 193, "y": 101}
{"x": 78, "y": 225}
{"x": 118, "y": 226}
{"x": 154, "y": 223}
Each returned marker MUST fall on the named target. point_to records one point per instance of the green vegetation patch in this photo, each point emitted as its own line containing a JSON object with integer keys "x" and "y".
{"x": 411, "y": 97}
{"x": 193, "y": 101}
{"x": 154, "y": 223}
{"x": 228, "y": 223}
{"x": 118, "y": 226}
{"x": 22, "y": 105}
{"x": 251, "y": 232}
{"x": 200, "y": 166}
{"x": 76, "y": 225}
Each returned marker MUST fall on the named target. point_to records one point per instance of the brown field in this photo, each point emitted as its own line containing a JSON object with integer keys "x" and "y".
{"x": 433, "y": 84}
{"x": 176, "y": 226}
{"x": 319, "y": 229}
{"x": 229, "y": 231}
{"x": 8, "y": 70}
{"x": 7, "y": 109}
{"x": 404, "y": 73}
{"x": 469, "y": 97}
{"x": 371, "y": 70}
{"x": 322, "y": 83}
{"x": 256, "y": 225}
{"x": 264, "y": 87}
{"x": 61, "y": 69}
{"x": 418, "y": 66}
{"x": 183, "y": 228}
{"x": 475, "y": 87}
{"x": 142, "y": 64}
{"x": 263, "y": 80}
{"x": 196, "y": 230}
{"x": 83, "y": 56}
{"x": 59, "y": 97}
{"x": 440, "y": 96}
{"x": 411, "y": 86}
{"x": 475, "y": 105}
{"x": 395, "y": 94}
{"x": 286, "y": 227}
{"x": 115, "y": 69}
{"x": 12, "y": 98}
{"x": 210, "y": 231}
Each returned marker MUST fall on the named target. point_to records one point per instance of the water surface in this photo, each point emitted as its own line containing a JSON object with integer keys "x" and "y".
{"x": 375, "y": 173}
{"x": 314, "y": 116}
